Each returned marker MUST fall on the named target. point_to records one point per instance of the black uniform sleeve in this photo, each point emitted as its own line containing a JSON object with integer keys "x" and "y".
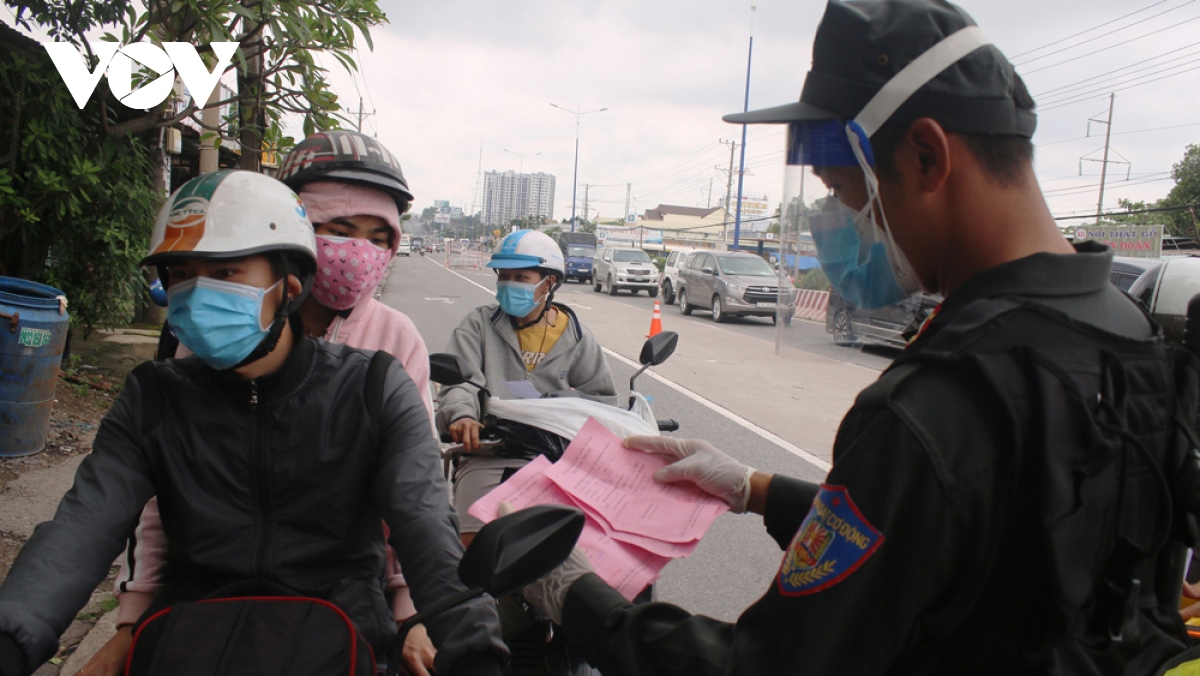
{"x": 411, "y": 494}
{"x": 865, "y": 612}
{"x": 635, "y": 640}
{"x": 788, "y": 501}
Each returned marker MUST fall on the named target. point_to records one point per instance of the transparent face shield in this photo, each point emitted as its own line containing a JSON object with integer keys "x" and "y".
{"x": 848, "y": 274}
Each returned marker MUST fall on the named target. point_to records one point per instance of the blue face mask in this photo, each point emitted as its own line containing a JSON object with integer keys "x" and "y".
{"x": 218, "y": 321}
{"x": 867, "y": 281}
{"x": 516, "y": 298}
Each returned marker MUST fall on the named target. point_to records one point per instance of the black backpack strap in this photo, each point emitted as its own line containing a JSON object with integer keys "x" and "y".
{"x": 381, "y": 361}
{"x": 151, "y": 386}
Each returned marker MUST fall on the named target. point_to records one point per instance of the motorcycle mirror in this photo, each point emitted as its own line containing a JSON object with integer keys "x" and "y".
{"x": 656, "y": 350}
{"x": 507, "y": 554}
{"x": 448, "y": 369}
{"x": 517, "y": 549}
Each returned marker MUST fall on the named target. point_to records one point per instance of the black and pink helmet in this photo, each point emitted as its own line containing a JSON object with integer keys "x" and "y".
{"x": 348, "y": 157}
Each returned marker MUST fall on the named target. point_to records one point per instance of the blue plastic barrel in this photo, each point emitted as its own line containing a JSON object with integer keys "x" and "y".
{"x": 33, "y": 331}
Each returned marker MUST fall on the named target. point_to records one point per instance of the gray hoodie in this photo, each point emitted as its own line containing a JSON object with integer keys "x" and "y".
{"x": 487, "y": 340}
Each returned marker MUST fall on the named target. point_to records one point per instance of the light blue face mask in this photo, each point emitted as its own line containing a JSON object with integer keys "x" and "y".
{"x": 868, "y": 280}
{"x": 217, "y": 320}
{"x": 517, "y": 298}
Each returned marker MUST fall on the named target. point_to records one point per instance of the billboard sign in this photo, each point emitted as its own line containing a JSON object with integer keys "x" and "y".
{"x": 618, "y": 236}
{"x": 1138, "y": 241}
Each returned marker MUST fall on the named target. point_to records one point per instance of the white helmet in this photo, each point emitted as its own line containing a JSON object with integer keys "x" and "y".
{"x": 525, "y": 249}
{"x": 228, "y": 214}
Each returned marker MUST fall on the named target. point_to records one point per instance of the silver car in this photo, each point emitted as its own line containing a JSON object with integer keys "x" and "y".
{"x": 1166, "y": 290}
{"x": 733, "y": 284}
{"x": 624, "y": 268}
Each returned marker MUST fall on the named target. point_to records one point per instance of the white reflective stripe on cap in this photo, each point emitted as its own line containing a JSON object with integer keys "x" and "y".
{"x": 914, "y": 76}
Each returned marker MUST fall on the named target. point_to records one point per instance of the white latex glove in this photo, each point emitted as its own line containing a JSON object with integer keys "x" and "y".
{"x": 549, "y": 594}
{"x": 701, "y": 463}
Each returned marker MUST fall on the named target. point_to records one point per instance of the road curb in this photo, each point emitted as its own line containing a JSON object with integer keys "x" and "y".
{"x": 104, "y": 629}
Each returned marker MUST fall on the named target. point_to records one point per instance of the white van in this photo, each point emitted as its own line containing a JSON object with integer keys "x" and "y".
{"x": 669, "y": 282}
{"x": 405, "y": 245}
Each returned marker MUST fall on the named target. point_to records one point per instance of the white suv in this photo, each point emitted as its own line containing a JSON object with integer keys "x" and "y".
{"x": 670, "y": 275}
{"x": 624, "y": 268}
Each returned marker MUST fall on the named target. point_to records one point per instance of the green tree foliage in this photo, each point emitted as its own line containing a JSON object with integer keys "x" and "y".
{"x": 1186, "y": 191}
{"x": 1187, "y": 177}
{"x": 1181, "y": 221}
{"x": 813, "y": 278}
{"x": 1163, "y": 218}
{"x": 278, "y": 38}
{"x": 76, "y": 207}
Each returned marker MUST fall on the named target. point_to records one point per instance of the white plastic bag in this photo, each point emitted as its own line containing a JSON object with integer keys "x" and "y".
{"x": 565, "y": 416}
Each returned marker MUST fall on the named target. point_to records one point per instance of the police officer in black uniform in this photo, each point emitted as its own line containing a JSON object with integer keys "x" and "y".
{"x": 1001, "y": 499}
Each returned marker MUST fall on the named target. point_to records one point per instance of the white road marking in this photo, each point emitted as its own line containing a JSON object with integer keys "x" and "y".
{"x": 713, "y": 406}
{"x": 447, "y": 301}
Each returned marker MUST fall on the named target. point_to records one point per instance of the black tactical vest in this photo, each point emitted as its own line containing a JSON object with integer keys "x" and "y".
{"x": 1108, "y": 486}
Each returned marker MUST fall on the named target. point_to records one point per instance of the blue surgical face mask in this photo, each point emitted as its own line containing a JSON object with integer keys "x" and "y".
{"x": 218, "y": 321}
{"x": 856, "y": 263}
{"x": 517, "y": 298}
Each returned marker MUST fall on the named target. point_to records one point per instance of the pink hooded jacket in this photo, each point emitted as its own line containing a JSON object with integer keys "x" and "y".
{"x": 370, "y": 326}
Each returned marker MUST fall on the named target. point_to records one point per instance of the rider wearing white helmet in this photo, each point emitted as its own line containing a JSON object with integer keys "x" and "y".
{"x": 264, "y": 469}
{"x": 355, "y": 193}
{"x": 526, "y": 337}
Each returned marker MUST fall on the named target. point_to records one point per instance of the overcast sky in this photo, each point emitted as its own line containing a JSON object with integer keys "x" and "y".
{"x": 446, "y": 76}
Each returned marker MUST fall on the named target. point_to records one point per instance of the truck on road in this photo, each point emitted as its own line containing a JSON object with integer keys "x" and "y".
{"x": 578, "y": 248}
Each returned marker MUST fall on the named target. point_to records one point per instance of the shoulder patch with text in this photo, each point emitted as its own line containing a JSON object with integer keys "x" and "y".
{"x": 834, "y": 540}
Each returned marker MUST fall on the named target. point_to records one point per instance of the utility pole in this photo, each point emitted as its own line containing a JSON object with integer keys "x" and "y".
{"x": 585, "y": 202}
{"x": 478, "y": 175}
{"x": 628, "y": 192}
{"x": 1105, "y": 161}
{"x": 361, "y": 115}
{"x": 1104, "y": 167}
{"x": 737, "y": 222}
{"x": 733, "y": 145}
{"x": 709, "y": 205}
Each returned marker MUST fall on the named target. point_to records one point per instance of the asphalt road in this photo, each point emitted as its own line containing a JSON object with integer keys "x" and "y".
{"x": 735, "y": 562}
{"x": 802, "y": 335}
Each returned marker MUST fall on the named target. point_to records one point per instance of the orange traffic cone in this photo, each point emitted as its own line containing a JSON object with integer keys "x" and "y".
{"x": 655, "y": 321}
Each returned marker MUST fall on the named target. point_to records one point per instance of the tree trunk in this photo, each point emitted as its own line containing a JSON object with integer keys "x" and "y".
{"x": 250, "y": 111}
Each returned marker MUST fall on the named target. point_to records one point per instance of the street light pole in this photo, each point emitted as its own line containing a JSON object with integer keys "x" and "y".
{"x": 575, "y": 177}
{"x": 737, "y": 221}
{"x": 522, "y": 204}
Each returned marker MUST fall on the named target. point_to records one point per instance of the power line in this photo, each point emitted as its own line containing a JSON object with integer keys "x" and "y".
{"x": 1079, "y": 190}
{"x": 1112, "y": 46}
{"x": 1124, "y": 80}
{"x": 1150, "y": 210}
{"x": 1089, "y": 30}
{"x": 1082, "y": 98}
{"x": 1117, "y": 133}
{"x": 1103, "y": 35}
{"x": 1080, "y": 84}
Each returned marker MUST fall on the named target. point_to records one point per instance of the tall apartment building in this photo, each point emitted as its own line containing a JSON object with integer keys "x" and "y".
{"x": 508, "y": 195}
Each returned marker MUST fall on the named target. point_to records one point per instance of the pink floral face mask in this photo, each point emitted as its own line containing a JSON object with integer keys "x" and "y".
{"x": 348, "y": 270}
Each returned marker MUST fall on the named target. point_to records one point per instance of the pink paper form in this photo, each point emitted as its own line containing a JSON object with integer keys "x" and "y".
{"x": 618, "y": 484}
{"x": 627, "y": 568}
